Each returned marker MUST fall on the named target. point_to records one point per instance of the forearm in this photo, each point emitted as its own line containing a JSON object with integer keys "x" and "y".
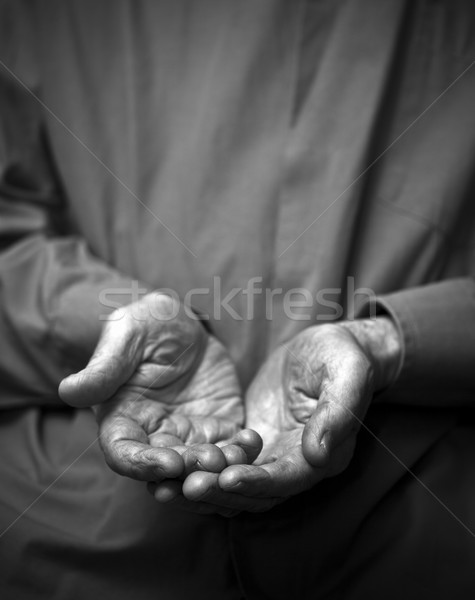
{"x": 51, "y": 285}
{"x": 52, "y": 309}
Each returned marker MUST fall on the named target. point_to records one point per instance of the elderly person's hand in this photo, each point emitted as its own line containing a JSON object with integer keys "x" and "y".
{"x": 160, "y": 383}
{"x": 307, "y": 402}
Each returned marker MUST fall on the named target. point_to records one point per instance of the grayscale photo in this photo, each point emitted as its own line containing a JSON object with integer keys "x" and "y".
{"x": 237, "y": 299}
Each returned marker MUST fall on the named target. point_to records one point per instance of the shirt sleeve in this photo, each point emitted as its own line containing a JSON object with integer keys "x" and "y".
{"x": 54, "y": 294}
{"x": 436, "y": 323}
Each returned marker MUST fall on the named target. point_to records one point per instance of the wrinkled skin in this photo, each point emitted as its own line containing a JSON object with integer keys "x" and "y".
{"x": 307, "y": 402}
{"x": 158, "y": 385}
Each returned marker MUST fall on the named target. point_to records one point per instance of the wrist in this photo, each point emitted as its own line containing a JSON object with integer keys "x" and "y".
{"x": 381, "y": 341}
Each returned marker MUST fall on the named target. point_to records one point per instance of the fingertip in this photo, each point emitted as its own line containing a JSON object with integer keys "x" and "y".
{"x": 204, "y": 457}
{"x": 63, "y": 389}
{"x": 250, "y": 441}
{"x": 70, "y": 391}
{"x": 247, "y": 481}
{"x": 85, "y": 388}
{"x": 171, "y": 464}
{"x": 230, "y": 478}
{"x": 167, "y": 491}
{"x": 249, "y": 437}
{"x": 197, "y": 485}
{"x": 241, "y": 478}
{"x": 234, "y": 454}
{"x": 316, "y": 446}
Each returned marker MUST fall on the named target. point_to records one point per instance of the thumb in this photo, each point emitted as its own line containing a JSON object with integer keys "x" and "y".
{"x": 116, "y": 357}
{"x": 333, "y": 423}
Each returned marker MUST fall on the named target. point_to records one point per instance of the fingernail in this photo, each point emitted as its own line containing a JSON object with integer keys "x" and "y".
{"x": 325, "y": 442}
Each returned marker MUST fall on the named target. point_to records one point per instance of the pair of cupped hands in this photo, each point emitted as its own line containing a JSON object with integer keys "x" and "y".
{"x": 170, "y": 410}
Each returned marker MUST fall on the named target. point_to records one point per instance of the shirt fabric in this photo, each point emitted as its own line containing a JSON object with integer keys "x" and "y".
{"x": 329, "y": 147}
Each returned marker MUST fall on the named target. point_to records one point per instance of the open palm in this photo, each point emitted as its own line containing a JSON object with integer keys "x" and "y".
{"x": 158, "y": 384}
{"x": 306, "y": 402}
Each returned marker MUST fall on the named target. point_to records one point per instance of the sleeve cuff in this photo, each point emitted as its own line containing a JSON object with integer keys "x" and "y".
{"x": 436, "y": 323}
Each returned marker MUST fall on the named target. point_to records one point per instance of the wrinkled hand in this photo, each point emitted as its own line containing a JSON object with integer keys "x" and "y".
{"x": 307, "y": 402}
{"x": 160, "y": 384}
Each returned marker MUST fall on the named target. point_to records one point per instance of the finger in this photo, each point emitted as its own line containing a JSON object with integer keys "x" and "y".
{"x": 204, "y": 488}
{"x": 115, "y": 358}
{"x": 250, "y": 442}
{"x": 159, "y": 440}
{"x": 164, "y": 440}
{"x": 282, "y": 478}
{"x": 234, "y": 455}
{"x": 170, "y": 492}
{"x": 179, "y": 449}
{"x": 197, "y": 484}
{"x": 166, "y": 491}
{"x": 204, "y": 457}
{"x": 337, "y": 417}
{"x": 127, "y": 450}
{"x": 140, "y": 461}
